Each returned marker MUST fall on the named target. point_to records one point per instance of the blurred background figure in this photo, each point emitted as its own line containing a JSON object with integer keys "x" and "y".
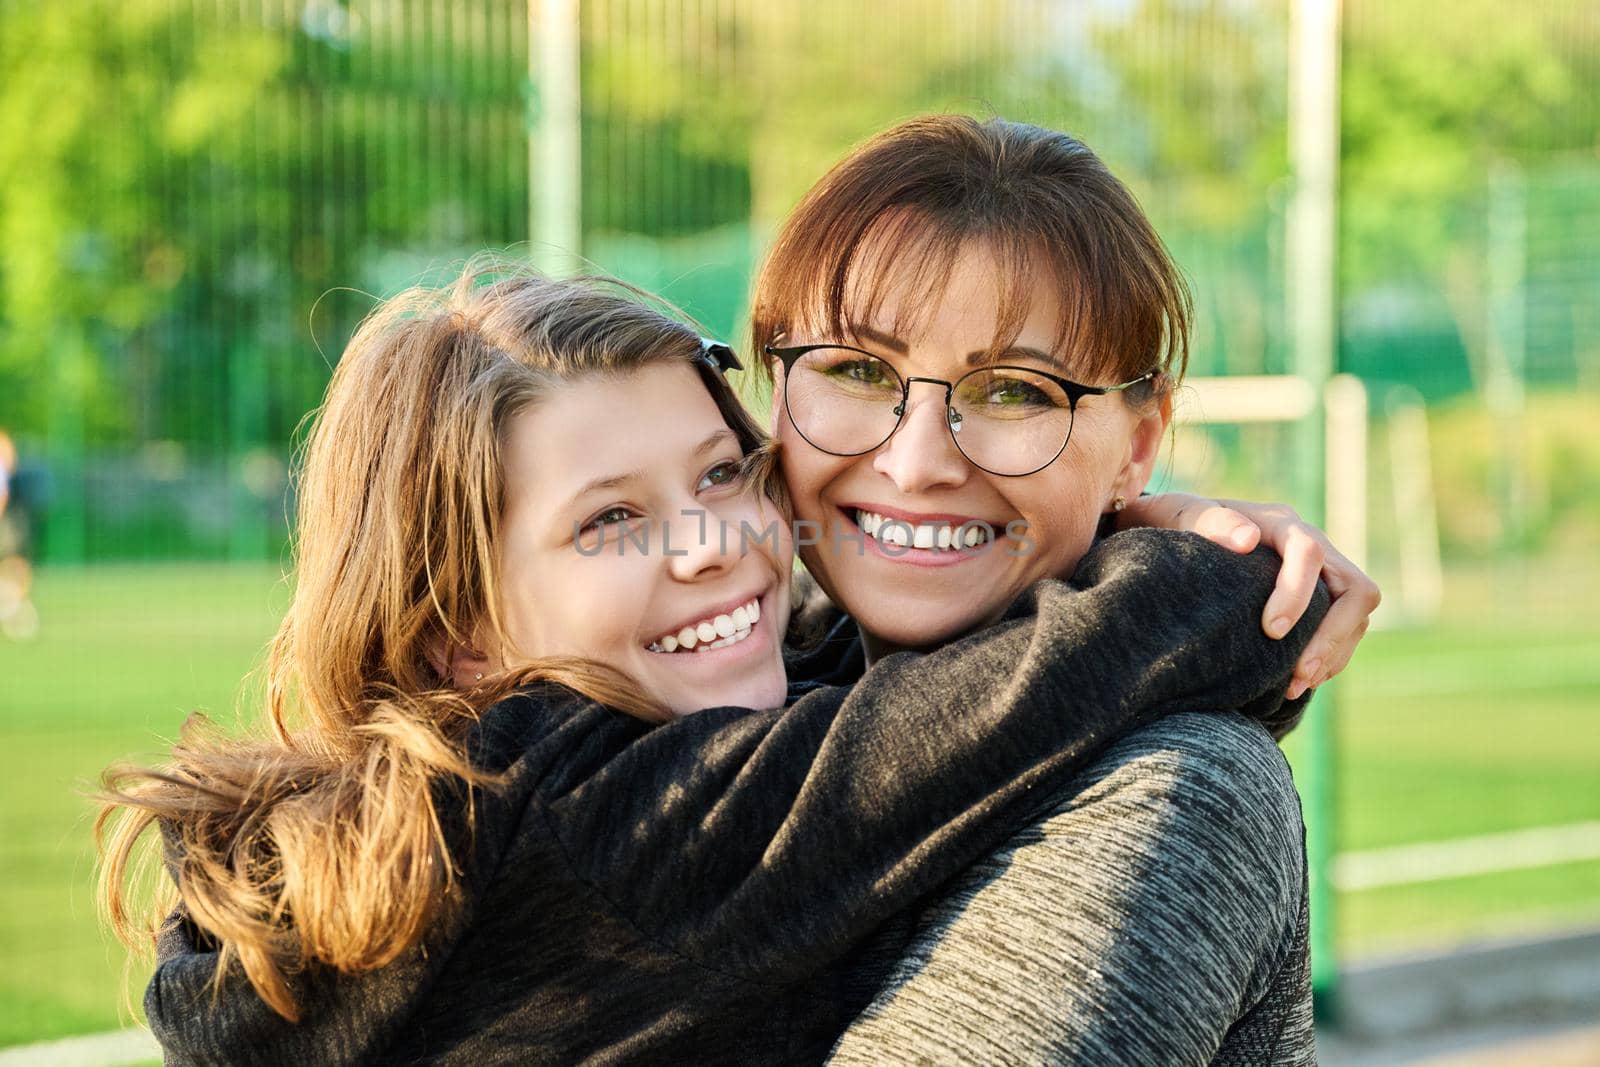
{"x": 19, "y": 619}
{"x": 1389, "y": 214}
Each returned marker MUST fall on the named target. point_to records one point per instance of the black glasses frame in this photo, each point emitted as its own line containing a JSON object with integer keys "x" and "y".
{"x": 1075, "y": 391}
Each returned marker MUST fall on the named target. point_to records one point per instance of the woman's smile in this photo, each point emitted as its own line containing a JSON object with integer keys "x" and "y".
{"x": 920, "y": 539}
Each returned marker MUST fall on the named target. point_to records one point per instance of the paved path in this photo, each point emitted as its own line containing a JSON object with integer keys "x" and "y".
{"x": 1550, "y": 1045}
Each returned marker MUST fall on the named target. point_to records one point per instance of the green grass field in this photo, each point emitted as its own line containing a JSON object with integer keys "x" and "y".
{"x": 1486, "y": 724}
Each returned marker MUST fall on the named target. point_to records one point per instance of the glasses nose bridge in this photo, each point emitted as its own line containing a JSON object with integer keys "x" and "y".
{"x": 905, "y": 393}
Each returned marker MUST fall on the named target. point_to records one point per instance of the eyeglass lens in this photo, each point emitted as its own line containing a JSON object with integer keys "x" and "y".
{"x": 1007, "y": 420}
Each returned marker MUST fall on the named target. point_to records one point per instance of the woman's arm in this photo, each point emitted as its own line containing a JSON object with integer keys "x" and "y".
{"x": 770, "y": 843}
{"x": 1154, "y": 915}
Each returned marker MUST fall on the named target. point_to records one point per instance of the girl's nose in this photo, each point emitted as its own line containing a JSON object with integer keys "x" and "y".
{"x": 699, "y": 543}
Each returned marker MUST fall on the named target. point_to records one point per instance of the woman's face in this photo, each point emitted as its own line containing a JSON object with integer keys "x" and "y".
{"x": 624, "y": 511}
{"x": 1043, "y": 522}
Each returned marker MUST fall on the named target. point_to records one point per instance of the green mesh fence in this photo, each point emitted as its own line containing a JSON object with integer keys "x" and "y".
{"x": 204, "y": 173}
{"x": 183, "y": 182}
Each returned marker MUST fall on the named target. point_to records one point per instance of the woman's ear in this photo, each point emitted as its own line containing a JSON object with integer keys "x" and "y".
{"x": 1144, "y": 446}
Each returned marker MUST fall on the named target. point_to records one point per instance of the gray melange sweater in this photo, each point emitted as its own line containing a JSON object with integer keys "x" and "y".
{"x": 1155, "y": 915}
{"x": 712, "y": 890}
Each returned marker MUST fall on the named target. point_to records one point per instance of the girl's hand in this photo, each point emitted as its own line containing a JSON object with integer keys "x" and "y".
{"x": 1307, "y": 555}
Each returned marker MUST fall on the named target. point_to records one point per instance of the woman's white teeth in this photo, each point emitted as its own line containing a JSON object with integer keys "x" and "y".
{"x": 719, "y": 631}
{"x": 902, "y": 534}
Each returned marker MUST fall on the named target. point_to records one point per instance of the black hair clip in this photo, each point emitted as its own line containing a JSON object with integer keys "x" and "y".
{"x": 718, "y": 356}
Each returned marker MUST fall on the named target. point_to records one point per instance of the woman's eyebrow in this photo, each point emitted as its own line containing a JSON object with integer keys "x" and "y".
{"x": 863, "y": 332}
{"x": 982, "y": 355}
{"x": 614, "y": 481}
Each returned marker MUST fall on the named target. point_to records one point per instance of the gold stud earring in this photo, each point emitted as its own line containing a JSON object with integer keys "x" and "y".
{"x": 1119, "y": 503}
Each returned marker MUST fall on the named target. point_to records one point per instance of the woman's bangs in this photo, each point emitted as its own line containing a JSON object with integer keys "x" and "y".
{"x": 900, "y": 254}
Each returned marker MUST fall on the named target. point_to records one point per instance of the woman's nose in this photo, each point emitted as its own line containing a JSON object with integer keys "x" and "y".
{"x": 921, "y": 455}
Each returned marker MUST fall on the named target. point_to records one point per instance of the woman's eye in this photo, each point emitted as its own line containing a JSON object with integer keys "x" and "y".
{"x": 865, "y": 371}
{"x": 1015, "y": 392}
{"x": 722, "y": 474}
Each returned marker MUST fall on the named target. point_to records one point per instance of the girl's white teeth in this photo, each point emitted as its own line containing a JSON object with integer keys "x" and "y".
{"x": 904, "y": 535}
{"x": 719, "y": 631}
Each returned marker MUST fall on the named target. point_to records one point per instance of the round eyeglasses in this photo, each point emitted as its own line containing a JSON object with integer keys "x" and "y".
{"x": 1009, "y": 421}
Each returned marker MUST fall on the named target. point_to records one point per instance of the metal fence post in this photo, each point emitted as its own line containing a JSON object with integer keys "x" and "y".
{"x": 555, "y": 115}
{"x": 1312, "y": 247}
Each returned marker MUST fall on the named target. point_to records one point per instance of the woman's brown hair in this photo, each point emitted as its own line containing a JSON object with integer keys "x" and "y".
{"x": 907, "y": 204}
{"x": 324, "y": 841}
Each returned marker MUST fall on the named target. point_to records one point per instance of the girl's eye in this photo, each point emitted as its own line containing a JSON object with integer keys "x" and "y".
{"x": 608, "y": 517}
{"x": 725, "y": 473}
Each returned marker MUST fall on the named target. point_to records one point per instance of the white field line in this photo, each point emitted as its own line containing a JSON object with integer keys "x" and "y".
{"x": 1434, "y": 861}
{"x": 119, "y": 1048}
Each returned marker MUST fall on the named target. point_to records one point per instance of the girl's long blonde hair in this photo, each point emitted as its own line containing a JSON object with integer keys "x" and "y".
{"x": 322, "y": 841}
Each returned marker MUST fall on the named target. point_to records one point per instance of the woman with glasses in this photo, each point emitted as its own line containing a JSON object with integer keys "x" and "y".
{"x": 975, "y": 335}
{"x": 487, "y": 820}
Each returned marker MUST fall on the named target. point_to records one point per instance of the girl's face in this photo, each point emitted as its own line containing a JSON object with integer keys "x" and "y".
{"x": 629, "y": 539}
{"x": 1043, "y": 522}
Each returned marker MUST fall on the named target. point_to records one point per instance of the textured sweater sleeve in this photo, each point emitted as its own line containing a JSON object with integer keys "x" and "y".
{"x": 1154, "y": 915}
{"x": 766, "y": 844}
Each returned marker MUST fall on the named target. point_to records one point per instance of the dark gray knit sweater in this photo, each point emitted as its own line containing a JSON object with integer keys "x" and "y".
{"x": 703, "y": 891}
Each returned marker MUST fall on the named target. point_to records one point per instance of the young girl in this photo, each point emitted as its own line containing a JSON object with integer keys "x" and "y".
{"x": 524, "y": 505}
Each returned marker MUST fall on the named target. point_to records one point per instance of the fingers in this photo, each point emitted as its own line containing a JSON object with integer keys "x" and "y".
{"x": 1216, "y": 522}
{"x": 1303, "y": 557}
{"x": 1162, "y": 511}
{"x": 1356, "y": 597}
{"x": 1225, "y": 526}
{"x": 1307, "y": 555}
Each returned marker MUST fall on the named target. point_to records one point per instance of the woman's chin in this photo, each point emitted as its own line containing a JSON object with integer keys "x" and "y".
{"x": 915, "y": 626}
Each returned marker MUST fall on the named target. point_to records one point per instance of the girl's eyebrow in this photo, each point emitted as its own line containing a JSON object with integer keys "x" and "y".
{"x": 614, "y": 481}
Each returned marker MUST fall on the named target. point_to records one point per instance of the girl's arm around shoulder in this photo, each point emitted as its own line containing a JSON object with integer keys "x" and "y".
{"x": 768, "y": 843}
